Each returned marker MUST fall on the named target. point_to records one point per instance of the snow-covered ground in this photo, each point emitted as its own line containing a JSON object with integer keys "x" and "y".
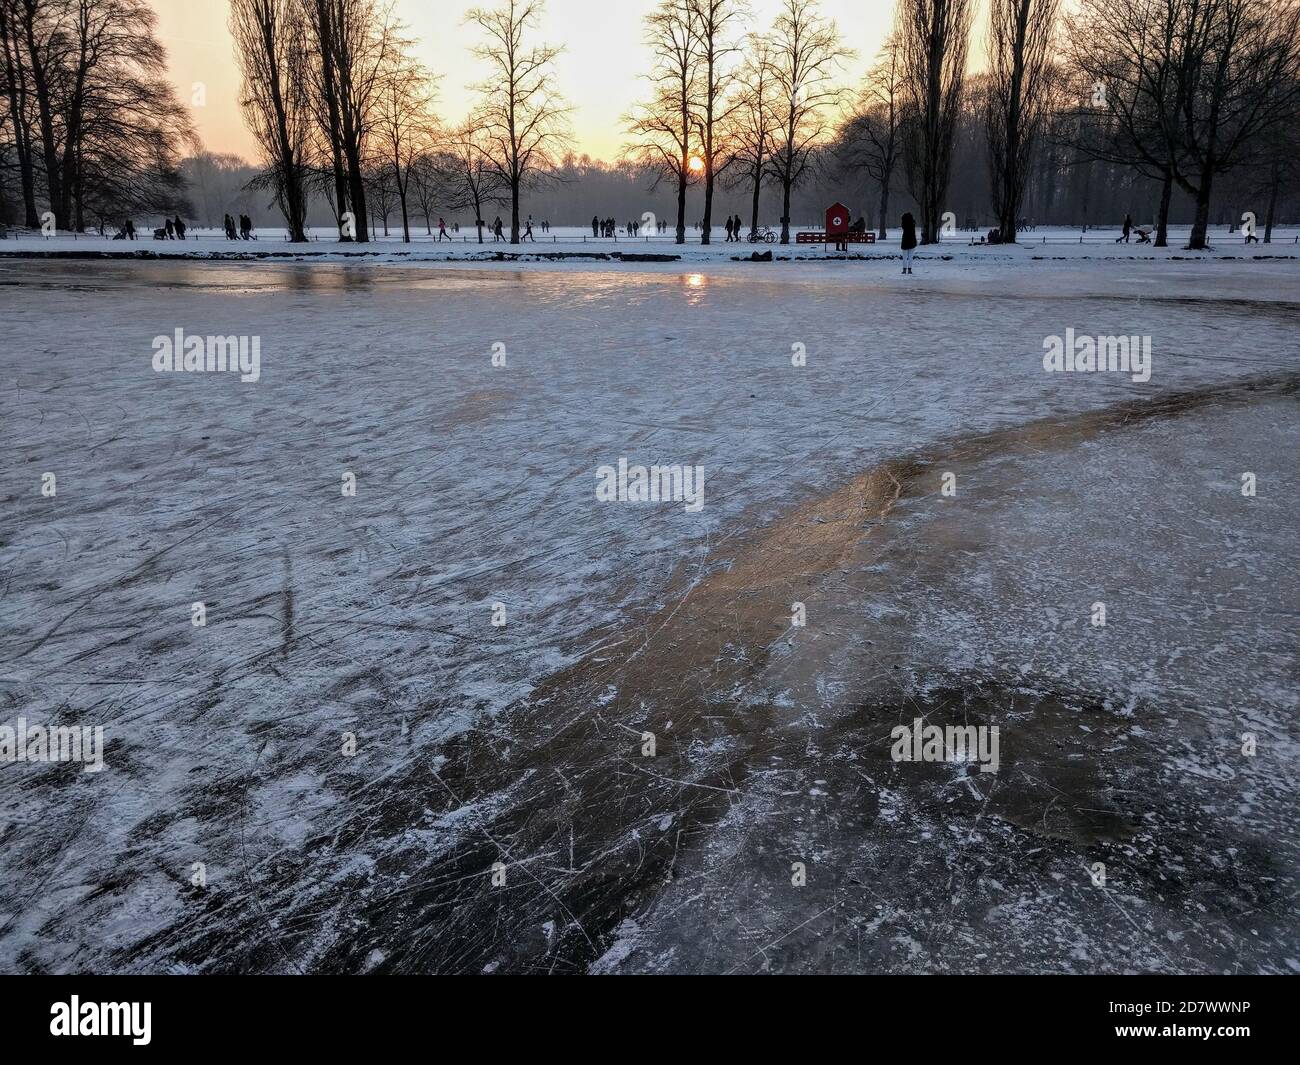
{"x": 235, "y": 829}
{"x": 574, "y": 243}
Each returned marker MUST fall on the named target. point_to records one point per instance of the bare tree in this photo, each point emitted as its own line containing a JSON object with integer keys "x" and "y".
{"x": 404, "y": 125}
{"x": 470, "y": 179}
{"x": 270, "y": 46}
{"x": 664, "y": 129}
{"x": 1278, "y": 164}
{"x": 872, "y": 138}
{"x": 355, "y": 42}
{"x": 381, "y": 192}
{"x": 42, "y": 26}
{"x": 1020, "y": 38}
{"x": 1238, "y": 75}
{"x": 523, "y": 118}
{"x": 108, "y": 121}
{"x": 935, "y": 35}
{"x": 714, "y": 20}
{"x": 427, "y": 186}
{"x": 324, "y": 101}
{"x": 17, "y": 88}
{"x": 1128, "y": 97}
{"x": 1196, "y": 89}
{"x": 752, "y": 123}
{"x": 807, "y": 51}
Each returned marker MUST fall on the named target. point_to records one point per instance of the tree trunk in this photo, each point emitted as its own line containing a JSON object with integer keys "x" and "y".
{"x": 1162, "y": 219}
{"x": 758, "y": 187}
{"x": 1201, "y": 222}
{"x": 356, "y": 184}
{"x": 1276, "y": 180}
{"x": 335, "y": 131}
{"x": 46, "y": 117}
{"x": 291, "y": 174}
{"x": 356, "y": 189}
{"x": 884, "y": 208}
{"x": 708, "y": 201}
{"x": 681, "y": 204}
{"x": 17, "y": 77}
{"x": 514, "y": 210}
{"x": 785, "y": 208}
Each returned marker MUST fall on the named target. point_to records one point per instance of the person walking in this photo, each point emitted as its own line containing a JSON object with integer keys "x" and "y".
{"x": 171, "y": 233}
{"x": 442, "y": 230}
{"x": 496, "y": 230}
{"x": 528, "y": 231}
{"x": 909, "y": 241}
{"x": 180, "y": 228}
{"x": 1128, "y": 229}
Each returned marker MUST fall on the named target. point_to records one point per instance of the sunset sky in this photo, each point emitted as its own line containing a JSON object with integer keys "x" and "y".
{"x": 601, "y": 72}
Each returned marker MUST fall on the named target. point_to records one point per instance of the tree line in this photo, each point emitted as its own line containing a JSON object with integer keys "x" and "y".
{"x": 341, "y": 109}
{"x": 1184, "y": 93}
{"x": 90, "y": 130}
{"x": 1176, "y": 106}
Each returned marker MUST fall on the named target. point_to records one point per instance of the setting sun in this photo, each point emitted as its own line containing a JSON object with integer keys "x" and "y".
{"x": 696, "y": 164}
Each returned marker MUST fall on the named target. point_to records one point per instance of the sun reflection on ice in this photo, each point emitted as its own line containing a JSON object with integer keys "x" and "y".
{"x": 694, "y": 284}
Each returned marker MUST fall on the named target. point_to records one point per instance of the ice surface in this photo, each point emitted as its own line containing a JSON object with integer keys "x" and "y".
{"x": 522, "y": 745}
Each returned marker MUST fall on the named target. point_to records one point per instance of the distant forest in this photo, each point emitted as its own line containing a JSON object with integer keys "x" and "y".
{"x": 1064, "y": 190}
{"x": 1165, "y": 111}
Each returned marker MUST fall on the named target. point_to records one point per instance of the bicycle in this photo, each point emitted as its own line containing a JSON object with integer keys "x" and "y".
{"x": 762, "y": 235}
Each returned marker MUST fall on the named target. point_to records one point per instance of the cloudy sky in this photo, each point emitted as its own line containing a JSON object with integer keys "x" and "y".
{"x": 600, "y": 72}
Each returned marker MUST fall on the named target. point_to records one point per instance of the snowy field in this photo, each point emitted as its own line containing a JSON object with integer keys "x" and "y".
{"x": 575, "y": 243}
{"x": 349, "y": 767}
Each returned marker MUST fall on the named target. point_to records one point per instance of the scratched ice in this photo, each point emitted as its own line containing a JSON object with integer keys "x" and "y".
{"x": 523, "y": 744}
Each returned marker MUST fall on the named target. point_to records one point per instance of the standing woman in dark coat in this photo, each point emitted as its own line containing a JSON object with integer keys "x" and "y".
{"x": 909, "y": 241}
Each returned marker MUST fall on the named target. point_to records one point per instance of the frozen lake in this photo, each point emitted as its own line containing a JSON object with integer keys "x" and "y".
{"x": 236, "y": 827}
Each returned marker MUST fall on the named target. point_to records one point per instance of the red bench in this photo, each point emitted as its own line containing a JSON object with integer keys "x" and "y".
{"x": 843, "y": 238}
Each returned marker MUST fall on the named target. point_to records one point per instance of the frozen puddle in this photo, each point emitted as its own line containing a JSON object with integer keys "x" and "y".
{"x": 500, "y": 811}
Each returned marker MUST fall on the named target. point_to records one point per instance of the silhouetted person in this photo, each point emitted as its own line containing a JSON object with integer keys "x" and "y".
{"x": 442, "y": 230}
{"x": 230, "y": 228}
{"x": 496, "y": 230}
{"x": 245, "y": 227}
{"x": 1128, "y": 229}
{"x": 171, "y": 233}
{"x": 180, "y": 228}
{"x": 130, "y": 229}
{"x": 909, "y": 241}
